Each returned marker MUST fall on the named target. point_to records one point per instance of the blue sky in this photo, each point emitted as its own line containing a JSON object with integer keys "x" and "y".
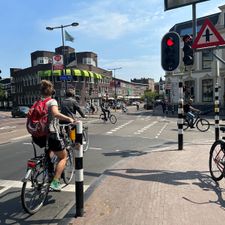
{"x": 123, "y": 33}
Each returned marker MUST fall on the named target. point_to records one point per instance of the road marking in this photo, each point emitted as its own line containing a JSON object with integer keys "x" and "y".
{"x": 21, "y": 137}
{"x": 163, "y": 128}
{"x": 7, "y": 127}
{"x": 119, "y": 127}
{"x": 95, "y": 148}
{"x": 7, "y": 184}
{"x": 145, "y": 128}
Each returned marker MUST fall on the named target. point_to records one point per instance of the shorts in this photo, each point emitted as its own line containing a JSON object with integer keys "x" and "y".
{"x": 55, "y": 142}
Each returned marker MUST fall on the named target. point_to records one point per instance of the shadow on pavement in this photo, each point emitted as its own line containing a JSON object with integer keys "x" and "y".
{"x": 198, "y": 178}
{"x": 13, "y": 213}
{"x": 125, "y": 153}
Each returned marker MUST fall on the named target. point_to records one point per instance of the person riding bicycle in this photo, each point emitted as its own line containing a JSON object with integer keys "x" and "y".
{"x": 70, "y": 106}
{"x": 55, "y": 142}
{"x": 188, "y": 109}
{"x": 104, "y": 108}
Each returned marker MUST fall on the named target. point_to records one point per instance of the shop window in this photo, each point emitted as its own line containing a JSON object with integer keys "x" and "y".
{"x": 207, "y": 58}
{"x": 189, "y": 89}
{"x": 207, "y": 90}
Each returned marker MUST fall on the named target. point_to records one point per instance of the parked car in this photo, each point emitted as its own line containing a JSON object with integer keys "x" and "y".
{"x": 19, "y": 111}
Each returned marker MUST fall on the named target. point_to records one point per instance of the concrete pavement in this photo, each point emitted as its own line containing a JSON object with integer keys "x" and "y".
{"x": 159, "y": 187}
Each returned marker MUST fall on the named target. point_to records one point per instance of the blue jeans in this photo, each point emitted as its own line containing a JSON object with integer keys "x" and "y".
{"x": 190, "y": 118}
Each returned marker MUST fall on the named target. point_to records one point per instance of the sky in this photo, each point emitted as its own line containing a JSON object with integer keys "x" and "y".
{"x": 123, "y": 33}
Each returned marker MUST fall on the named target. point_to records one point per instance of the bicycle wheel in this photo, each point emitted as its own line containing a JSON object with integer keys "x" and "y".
{"x": 216, "y": 157}
{"x": 203, "y": 125}
{"x": 85, "y": 139}
{"x": 185, "y": 124}
{"x": 68, "y": 171}
{"x": 35, "y": 189}
{"x": 101, "y": 116}
{"x": 113, "y": 119}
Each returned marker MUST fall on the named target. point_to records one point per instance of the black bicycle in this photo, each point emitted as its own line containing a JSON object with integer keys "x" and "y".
{"x": 217, "y": 159}
{"x": 40, "y": 172}
{"x": 111, "y": 117}
{"x": 201, "y": 123}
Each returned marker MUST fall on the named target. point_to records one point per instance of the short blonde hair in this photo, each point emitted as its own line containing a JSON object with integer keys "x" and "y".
{"x": 46, "y": 88}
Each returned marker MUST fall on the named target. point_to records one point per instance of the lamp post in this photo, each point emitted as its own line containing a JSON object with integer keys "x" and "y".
{"x": 63, "y": 45}
{"x": 114, "y": 72}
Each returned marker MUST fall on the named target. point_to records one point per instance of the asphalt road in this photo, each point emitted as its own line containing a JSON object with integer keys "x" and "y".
{"x": 132, "y": 135}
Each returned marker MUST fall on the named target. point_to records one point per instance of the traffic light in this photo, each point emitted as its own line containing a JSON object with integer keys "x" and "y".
{"x": 188, "y": 58}
{"x": 170, "y": 51}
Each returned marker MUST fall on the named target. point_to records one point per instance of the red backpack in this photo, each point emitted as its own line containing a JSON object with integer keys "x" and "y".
{"x": 37, "y": 118}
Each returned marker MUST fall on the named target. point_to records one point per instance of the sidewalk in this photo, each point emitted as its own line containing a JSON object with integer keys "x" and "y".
{"x": 161, "y": 187}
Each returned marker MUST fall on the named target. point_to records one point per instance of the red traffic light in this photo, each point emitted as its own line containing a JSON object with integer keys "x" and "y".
{"x": 169, "y": 42}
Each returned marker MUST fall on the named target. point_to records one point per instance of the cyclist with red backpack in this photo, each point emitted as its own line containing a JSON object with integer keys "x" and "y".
{"x": 43, "y": 124}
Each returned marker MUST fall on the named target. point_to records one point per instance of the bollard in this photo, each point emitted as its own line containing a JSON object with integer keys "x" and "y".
{"x": 180, "y": 119}
{"x": 79, "y": 172}
{"x": 217, "y": 111}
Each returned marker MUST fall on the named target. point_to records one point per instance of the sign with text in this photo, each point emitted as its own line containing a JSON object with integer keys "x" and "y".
{"x": 172, "y": 4}
{"x": 57, "y": 62}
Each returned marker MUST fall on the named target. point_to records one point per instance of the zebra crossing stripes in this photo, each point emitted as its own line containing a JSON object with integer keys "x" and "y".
{"x": 145, "y": 128}
{"x": 7, "y": 184}
{"x": 119, "y": 127}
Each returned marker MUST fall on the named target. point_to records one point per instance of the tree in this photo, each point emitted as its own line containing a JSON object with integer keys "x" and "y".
{"x": 150, "y": 96}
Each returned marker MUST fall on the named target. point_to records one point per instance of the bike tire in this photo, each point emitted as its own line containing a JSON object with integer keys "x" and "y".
{"x": 185, "y": 124}
{"x": 68, "y": 171}
{"x": 113, "y": 119}
{"x": 85, "y": 139}
{"x": 102, "y": 117}
{"x": 216, "y": 153}
{"x": 203, "y": 125}
{"x": 35, "y": 190}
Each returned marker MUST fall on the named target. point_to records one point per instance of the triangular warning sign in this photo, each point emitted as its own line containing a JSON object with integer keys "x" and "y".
{"x": 208, "y": 36}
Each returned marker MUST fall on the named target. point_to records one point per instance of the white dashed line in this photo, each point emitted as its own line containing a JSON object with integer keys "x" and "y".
{"x": 119, "y": 127}
{"x": 145, "y": 128}
{"x": 165, "y": 125}
{"x": 7, "y": 184}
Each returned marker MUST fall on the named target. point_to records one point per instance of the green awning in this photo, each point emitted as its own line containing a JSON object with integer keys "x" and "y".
{"x": 56, "y": 72}
{"x": 85, "y": 73}
{"x": 91, "y": 74}
{"x": 77, "y": 72}
{"x": 68, "y": 71}
{"x": 96, "y": 75}
{"x": 45, "y": 73}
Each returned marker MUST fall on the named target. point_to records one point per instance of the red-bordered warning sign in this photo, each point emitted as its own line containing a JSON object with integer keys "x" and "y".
{"x": 208, "y": 36}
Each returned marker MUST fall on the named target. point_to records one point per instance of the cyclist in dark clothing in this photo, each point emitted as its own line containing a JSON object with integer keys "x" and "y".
{"x": 188, "y": 109}
{"x": 70, "y": 106}
{"x": 104, "y": 109}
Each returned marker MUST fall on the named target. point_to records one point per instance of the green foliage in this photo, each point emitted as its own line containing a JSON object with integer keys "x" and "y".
{"x": 150, "y": 95}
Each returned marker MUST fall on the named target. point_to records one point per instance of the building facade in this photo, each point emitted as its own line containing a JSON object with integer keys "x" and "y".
{"x": 81, "y": 72}
{"x": 200, "y": 79}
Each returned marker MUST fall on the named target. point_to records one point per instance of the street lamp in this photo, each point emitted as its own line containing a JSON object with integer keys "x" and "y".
{"x": 74, "y": 24}
{"x": 114, "y": 72}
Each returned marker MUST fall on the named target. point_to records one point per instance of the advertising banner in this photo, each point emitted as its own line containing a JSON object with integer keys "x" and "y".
{"x": 57, "y": 62}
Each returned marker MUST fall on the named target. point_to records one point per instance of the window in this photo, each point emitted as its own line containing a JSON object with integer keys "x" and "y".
{"x": 88, "y": 61}
{"x": 207, "y": 90}
{"x": 207, "y": 58}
